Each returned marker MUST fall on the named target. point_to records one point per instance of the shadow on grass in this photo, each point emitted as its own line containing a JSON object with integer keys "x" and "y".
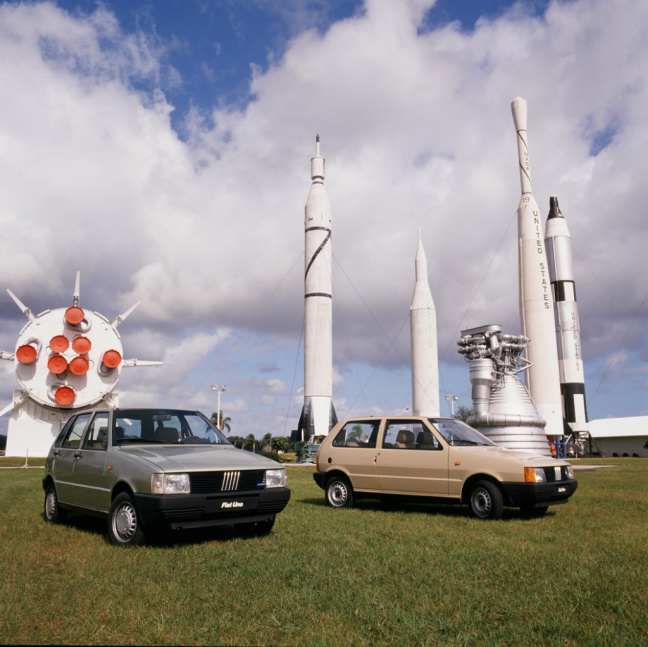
{"x": 432, "y": 509}
{"x": 159, "y": 538}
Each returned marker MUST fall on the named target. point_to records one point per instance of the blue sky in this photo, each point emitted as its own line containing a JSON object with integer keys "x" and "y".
{"x": 163, "y": 149}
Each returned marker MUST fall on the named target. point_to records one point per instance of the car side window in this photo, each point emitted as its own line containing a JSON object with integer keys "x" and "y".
{"x": 359, "y": 433}
{"x": 72, "y": 438}
{"x": 128, "y": 428}
{"x": 406, "y": 434}
{"x": 97, "y": 436}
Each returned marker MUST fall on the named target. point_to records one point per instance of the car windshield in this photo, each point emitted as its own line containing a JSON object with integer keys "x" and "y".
{"x": 458, "y": 433}
{"x": 164, "y": 426}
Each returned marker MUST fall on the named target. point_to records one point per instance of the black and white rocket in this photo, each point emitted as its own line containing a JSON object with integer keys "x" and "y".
{"x": 423, "y": 340}
{"x": 570, "y": 357}
{"x": 536, "y": 301}
{"x": 318, "y": 415}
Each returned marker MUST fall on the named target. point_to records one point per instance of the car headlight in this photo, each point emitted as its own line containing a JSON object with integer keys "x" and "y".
{"x": 276, "y": 478}
{"x": 569, "y": 472}
{"x": 534, "y": 475}
{"x": 170, "y": 484}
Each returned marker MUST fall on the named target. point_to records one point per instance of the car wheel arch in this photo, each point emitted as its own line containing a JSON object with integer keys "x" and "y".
{"x": 470, "y": 482}
{"x": 47, "y": 481}
{"x": 120, "y": 488}
{"x": 337, "y": 473}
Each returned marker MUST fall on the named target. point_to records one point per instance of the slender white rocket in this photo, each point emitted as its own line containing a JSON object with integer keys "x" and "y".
{"x": 318, "y": 415}
{"x": 536, "y": 302}
{"x": 423, "y": 340}
{"x": 570, "y": 355}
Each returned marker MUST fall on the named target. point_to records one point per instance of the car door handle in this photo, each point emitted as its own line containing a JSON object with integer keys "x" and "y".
{"x": 77, "y": 454}
{"x": 57, "y": 453}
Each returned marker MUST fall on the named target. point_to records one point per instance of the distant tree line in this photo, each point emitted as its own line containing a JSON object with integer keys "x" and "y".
{"x": 270, "y": 443}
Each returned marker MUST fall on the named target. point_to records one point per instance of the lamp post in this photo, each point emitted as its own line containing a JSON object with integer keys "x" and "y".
{"x": 452, "y": 399}
{"x": 219, "y": 417}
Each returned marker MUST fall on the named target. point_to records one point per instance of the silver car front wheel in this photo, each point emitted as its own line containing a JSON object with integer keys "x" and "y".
{"x": 124, "y": 525}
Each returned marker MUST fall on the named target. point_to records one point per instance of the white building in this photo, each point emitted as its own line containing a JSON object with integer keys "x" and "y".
{"x": 621, "y": 436}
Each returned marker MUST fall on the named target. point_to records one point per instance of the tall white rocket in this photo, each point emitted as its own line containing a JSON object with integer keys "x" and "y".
{"x": 423, "y": 340}
{"x": 536, "y": 302}
{"x": 318, "y": 415}
{"x": 570, "y": 355}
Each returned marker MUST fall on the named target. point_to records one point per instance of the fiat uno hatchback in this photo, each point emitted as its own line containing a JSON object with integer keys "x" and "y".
{"x": 439, "y": 460}
{"x": 149, "y": 470}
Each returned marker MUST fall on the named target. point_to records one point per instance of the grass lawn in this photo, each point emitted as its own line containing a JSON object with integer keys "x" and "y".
{"x": 372, "y": 575}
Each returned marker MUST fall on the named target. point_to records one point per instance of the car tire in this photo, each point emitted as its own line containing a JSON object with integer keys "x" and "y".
{"x": 486, "y": 501}
{"x": 53, "y": 512}
{"x": 339, "y": 493}
{"x": 255, "y": 528}
{"x": 124, "y": 524}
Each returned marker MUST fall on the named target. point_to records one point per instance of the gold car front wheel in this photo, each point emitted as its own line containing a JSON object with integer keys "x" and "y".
{"x": 486, "y": 501}
{"x": 339, "y": 493}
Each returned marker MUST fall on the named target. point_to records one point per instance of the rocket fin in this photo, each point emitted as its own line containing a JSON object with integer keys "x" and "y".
{"x": 120, "y": 318}
{"x": 141, "y": 362}
{"x": 77, "y": 289}
{"x": 25, "y": 310}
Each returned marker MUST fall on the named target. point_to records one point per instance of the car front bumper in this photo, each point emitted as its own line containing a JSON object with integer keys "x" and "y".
{"x": 202, "y": 510}
{"x": 539, "y": 495}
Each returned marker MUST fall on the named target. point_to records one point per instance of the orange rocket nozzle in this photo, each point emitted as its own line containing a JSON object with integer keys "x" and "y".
{"x": 111, "y": 359}
{"x": 59, "y": 344}
{"x": 74, "y": 315}
{"x": 65, "y": 395}
{"x": 79, "y": 366}
{"x": 57, "y": 364}
{"x": 26, "y": 354}
{"x": 81, "y": 345}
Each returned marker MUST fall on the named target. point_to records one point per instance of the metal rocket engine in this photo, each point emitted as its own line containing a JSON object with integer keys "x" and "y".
{"x": 65, "y": 359}
{"x": 503, "y": 409}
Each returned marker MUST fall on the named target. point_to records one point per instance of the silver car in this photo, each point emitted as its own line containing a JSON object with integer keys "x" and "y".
{"x": 150, "y": 470}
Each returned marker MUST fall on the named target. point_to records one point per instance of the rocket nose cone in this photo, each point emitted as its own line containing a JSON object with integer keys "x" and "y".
{"x": 519, "y": 110}
{"x": 554, "y": 209}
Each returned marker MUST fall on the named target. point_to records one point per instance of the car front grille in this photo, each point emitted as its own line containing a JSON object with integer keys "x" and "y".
{"x": 229, "y": 481}
{"x": 557, "y": 473}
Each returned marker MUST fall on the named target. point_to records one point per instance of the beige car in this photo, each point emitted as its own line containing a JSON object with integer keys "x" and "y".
{"x": 440, "y": 459}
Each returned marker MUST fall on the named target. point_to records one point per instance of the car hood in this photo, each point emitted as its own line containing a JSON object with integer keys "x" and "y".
{"x": 531, "y": 459}
{"x": 192, "y": 458}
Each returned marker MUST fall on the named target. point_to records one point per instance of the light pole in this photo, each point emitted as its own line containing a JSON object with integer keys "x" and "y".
{"x": 219, "y": 417}
{"x": 452, "y": 399}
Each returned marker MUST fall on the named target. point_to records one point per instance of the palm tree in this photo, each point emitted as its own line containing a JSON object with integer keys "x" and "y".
{"x": 250, "y": 441}
{"x": 464, "y": 413}
{"x": 220, "y": 422}
{"x": 266, "y": 442}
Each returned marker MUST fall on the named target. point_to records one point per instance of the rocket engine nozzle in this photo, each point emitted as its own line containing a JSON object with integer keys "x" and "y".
{"x": 59, "y": 344}
{"x": 28, "y": 353}
{"x": 74, "y": 315}
{"x": 79, "y": 365}
{"x": 110, "y": 360}
{"x": 57, "y": 364}
{"x": 62, "y": 394}
{"x": 81, "y": 345}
